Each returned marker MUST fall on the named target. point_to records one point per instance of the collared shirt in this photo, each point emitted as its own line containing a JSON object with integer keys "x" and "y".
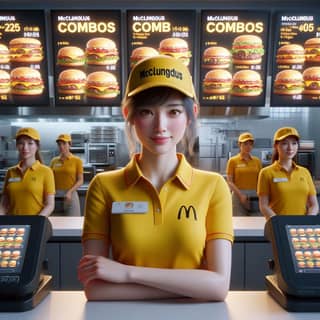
{"x": 244, "y": 172}
{"x": 27, "y": 191}
{"x": 66, "y": 171}
{"x": 288, "y": 191}
{"x": 192, "y": 207}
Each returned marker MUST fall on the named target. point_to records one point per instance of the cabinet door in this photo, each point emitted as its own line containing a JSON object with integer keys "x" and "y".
{"x": 52, "y": 262}
{"x": 257, "y": 256}
{"x": 237, "y": 271}
{"x": 70, "y": 256}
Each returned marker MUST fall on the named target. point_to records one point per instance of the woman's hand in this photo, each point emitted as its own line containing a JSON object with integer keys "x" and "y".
{"x": 93, "y": 267}
{"x": 245, "y": 201}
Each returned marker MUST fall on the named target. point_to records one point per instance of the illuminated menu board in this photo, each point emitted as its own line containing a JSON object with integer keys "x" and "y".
{"x": 87, "y": 54}
{"x": 296, "y": 60}
{"x": 155, "y": 32}
{"x": 233, "y": 58}
{"x": 23, "y": 61}
{"x": 305, "y": 247}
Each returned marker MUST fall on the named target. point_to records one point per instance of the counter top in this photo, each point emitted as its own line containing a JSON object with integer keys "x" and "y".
{"x": 239, "y": 305}
{"x": 243, "y": 226}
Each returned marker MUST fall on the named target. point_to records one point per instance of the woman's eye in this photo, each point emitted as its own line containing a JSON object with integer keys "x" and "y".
{"x": 175, "y": 112}
{"x": 144, "y": 112}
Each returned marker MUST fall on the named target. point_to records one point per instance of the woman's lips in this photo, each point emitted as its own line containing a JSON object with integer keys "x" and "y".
{"x": 160, "y": 140}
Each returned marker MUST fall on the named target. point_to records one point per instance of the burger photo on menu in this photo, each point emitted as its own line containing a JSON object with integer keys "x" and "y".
{"x": 101, "y": 51}
{"x": 288, "y": 82}
{"x": 216, "y": 57}
{"x": 290, "y": 54}
{"x": 312, "y": 50}
{"x": 26, "y": 81}
{"x": 5, "y": 82}
{"x": 71, "y": 81}
{"x": 102, "y": 85}
{"x": 4, "y": 53}
{"x": 247, "y": 50}
{"x": 246, "y": 83}
{"x": 140, "y": 53}
{"x": 217, "y": 81}
{"x": 71, "y": 56}
{"x": 311, "y": 79}
{"x": 25, "y": 50}
{"x": 177, "y": 48}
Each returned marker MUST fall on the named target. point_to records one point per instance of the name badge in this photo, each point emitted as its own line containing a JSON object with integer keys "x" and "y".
{"x": 241, "y": 165}
{"x": 16, "y": 179}
{"x": 58, "y": 164}
{"x": 280, "y": 179}
{"x": 120, "y": 207}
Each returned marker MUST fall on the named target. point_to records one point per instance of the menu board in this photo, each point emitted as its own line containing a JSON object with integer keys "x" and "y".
{"x": 305, "y": 247}
{"x": 87, "y": 54}
{"x": 13, "y": 246}
{"x": 233, "y": 58}
{"x": 165, "y": 32}
{"x": 23, "y": 61}
{"x": 296, "y": 60}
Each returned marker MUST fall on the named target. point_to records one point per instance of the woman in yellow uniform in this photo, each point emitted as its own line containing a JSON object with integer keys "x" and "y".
{"x": 68, "y": 176}
{"x": 242, "y": 176}
{"x": 29, "y": 186}
{"x": 284, "y": 187}
{"x": 168, "y": 224}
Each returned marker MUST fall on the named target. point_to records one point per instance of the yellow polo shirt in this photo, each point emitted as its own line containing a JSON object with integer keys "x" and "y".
{"x": 26, "y": 192}
{"x": 288, "y": 192}
{"x": 165, "y": 230}
{"x": 245, "y": 173}
{"x": 66, "y": 171}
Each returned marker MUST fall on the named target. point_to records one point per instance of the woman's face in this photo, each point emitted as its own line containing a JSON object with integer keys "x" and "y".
{"x": 27, "y": 148}
{"x": 63, "y": 146}
{"x": 160, "y": 128}
{"x": 287, "y": 148}
{"x": 246, "y": 147}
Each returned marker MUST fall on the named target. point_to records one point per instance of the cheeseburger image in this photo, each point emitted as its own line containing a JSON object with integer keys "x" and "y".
{"x": 101, "y": 85}
{"x": 290, "y": 54}
{"x": 26, "y": 81}
{"x": 4, "y": 82}
{"x": 140, "y": 53}
{"x": 71, "y": 81}
{"x": 177, "y": 48}
{"x": 247, "y": 50}
{"x": 217, "y": 81}
{"x": 71, "y": 56}
{"x": 288, "y": 82}
{"x": 4, "y": 54}
{"x": 101, "y": 51}
{"x": 246, "y": 83}
{"x": 312, "y": 50}
{"x": 216, "y": 57}
{"x": 25, "y": 50}
{"x": 311, "y": 79}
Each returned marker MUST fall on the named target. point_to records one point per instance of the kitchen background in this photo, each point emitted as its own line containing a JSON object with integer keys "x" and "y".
{"x": 219, "y": 128}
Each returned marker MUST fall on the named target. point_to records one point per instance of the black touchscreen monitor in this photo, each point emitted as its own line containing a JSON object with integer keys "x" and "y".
{"x": 296, "y": 248}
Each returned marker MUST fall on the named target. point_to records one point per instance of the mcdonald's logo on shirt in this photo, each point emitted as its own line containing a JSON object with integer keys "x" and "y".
{"x": 187, "y": 211}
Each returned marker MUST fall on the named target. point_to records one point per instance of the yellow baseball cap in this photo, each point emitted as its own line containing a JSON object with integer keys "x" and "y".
{"x": 246, "y": 136}
{"x": 64, "y": 137}
{"x": 160, "y": 71}
{"x": 29, "y": 132}
{"x": 285, "y": 132}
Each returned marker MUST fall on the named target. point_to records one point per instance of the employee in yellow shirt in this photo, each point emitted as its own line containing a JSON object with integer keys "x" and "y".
{"x": 284, "y": 187}
{"x": 68, "y": 176}
{"x": 29, "y": 186}
{"x": 169, "y": 225}
{"x": 242, "y": 176}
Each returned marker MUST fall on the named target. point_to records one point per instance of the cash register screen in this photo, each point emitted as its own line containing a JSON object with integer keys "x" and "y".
{"x": 304, "y": 243}
{"x": 13, "y": 246}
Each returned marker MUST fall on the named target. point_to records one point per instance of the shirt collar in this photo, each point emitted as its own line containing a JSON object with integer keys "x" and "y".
{"x": 184, "y": 172}
{"x": 279, "y": 167}
{"x": 34, "y": 166}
